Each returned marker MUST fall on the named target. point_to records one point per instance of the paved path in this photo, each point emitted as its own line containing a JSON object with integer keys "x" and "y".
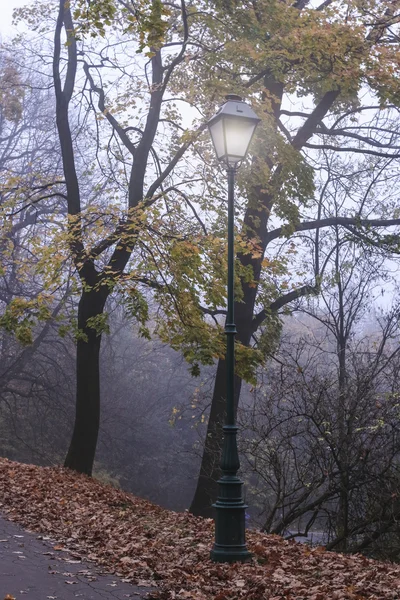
{"x": 31, "y": 569}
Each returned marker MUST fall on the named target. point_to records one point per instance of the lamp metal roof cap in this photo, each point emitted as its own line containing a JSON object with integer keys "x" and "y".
{"x": 235, "y": 107}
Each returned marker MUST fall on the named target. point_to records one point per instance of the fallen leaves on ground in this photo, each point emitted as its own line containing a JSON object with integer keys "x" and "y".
{"x": 150, "y": 546}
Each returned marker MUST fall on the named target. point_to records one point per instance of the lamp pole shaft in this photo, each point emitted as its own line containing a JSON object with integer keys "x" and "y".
{"x": 230, "y": 538}
{"x": 230, "y": 327}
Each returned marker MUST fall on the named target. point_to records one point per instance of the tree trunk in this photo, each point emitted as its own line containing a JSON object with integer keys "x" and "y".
{"x": 343, "y": 506}
{"x": 210, "y": 471}
{"x": 342, "y": 523}
{"x": 82, "y": 449}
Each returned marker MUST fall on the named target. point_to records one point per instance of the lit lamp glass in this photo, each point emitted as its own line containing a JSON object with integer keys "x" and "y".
{"x": 232, "y": 129}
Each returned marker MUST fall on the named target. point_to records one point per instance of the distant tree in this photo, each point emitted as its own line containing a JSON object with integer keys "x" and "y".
{"x": 324, "y": 438}
{"x": 143, "y": 440}
{"x": 29, "y": 173}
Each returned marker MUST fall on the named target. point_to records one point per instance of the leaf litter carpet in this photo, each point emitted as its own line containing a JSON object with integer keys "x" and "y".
{"x": 169, "y": 551}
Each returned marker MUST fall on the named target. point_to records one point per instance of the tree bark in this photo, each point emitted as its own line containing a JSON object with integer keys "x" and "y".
{"x": 210, "y": 471}
{"x": 343, "y": 505}
{"x": 82, "y": 449}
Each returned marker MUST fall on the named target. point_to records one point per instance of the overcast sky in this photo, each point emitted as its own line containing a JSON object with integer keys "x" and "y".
{"x": 6, "y": 8}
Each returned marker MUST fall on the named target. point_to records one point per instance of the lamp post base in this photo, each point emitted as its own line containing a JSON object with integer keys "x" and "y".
{"x": 230, "y": 555}
{"x": 230, "y": 525}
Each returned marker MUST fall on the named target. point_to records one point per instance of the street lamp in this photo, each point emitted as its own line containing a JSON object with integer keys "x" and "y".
{"x": 231, "y": 131}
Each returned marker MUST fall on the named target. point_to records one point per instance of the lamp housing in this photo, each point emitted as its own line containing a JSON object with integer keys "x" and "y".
{"x": 232, "y": 129}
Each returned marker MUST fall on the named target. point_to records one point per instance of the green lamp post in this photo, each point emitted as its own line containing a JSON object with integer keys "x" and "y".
{"x": 231, "y": 130}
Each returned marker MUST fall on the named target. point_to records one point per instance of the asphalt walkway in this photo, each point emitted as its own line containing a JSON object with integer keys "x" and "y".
{"x": 32, "y": 569}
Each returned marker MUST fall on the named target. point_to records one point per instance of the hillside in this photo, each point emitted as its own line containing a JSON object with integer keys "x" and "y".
{"x": 169, "y": 551}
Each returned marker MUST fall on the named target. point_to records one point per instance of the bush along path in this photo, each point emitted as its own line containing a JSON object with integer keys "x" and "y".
{"x": 168, "y": 552}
